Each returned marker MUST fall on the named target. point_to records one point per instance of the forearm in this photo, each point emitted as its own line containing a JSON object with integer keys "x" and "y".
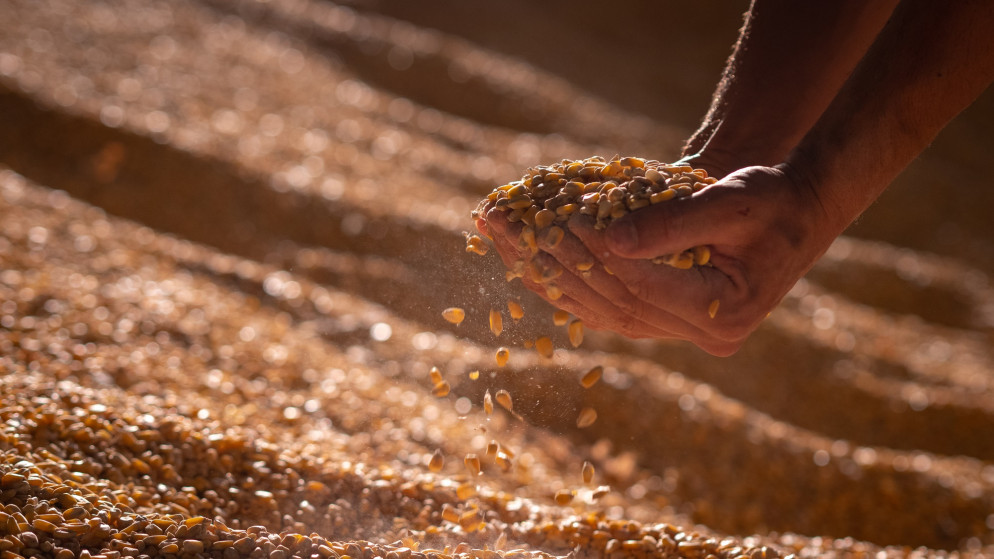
{"x": 791, "y": 59}
{"x": 929, "y": 63}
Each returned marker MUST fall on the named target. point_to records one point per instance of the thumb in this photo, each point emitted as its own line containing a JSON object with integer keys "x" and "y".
{"x": 660, "y": 229}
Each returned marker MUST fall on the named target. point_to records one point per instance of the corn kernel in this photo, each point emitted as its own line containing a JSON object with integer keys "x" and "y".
{"x": 702, "y": 255}
{"x": 496, "y": 322}
{"x": 515, "y": 309}
{"x": 586, "y": 418}
{"x": 543, "y": 346}
{"x": 713, "y": 308}
{"x": 503, "y": 355}
{"x": 584, "y": 266}
{"x": 591, "y": 377}
{"x": 553, "y": 292}
{"x": 435, "y": 375}
{"x": 575, "y": 331}
{"x": 587, "y": 472}
{"x": 473, "y": 375}
{"x": 564, "y": 497}
{"x": 544, "y": 218}
{"x": 476, "y": 245}
{"x": 663, "y": 196}
{"x": 488, "y": 403}
{"x": 472, "y": 463}
{"x": 437, "y": 461}
{"x": 455, "y": 315}
{"x": 441, "y": 389}
{"x": 503, "y": 398}
{"x": 560, "y": 317}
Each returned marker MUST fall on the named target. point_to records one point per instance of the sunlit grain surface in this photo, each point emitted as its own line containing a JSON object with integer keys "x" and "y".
{"x": 229, "y": 230}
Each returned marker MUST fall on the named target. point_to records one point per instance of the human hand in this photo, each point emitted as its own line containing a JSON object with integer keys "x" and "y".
{"x": 764, "y": 228}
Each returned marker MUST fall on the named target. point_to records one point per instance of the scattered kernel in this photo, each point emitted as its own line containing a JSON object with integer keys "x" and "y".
{"x": 503, "y": 355}
{"x": 472, "y": 463}
{"x": 437, "y": 461}
{"x": 488, "y": 403}
{"x": 591, "y": 377}
{"x": 515, "y": 309}
{"x": 575, "y": 331}
{"x": 713, "y": 308}
{"x": 455, "y": 315}
{"x": 441, "y": 389}
{"x": 586, "y": 418}
{"x": 560, "y": 317}
{"x": 503, "y": 398}
{"x": 587, "y": 472}
{"x": 564, "y": 497}
{"x": 496, "y": 322}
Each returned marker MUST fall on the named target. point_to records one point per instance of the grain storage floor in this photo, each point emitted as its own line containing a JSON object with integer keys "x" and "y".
{"x": 227, "y": 233}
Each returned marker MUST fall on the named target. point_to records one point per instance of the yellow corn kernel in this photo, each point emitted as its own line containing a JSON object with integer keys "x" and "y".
{"x": 476, "y": 245}
{"x": 655, "y": 176}
{"x": 435, "y": 375}
{"x": 496, "y": 322}
{"x": 564, "y": 497}
{"x": 503, "y": 354}
{"x": 680, "y": 261}
{"x": 503, "y": 398}
{"x": 554, "y": 236}
{"x": 586, "y": 418}
{"x": 575, "y": 330}
{"x": 684, "y": 190}
{"x": 472, "y": 463}
{"x": 663, "y": 196}
{"x": 517, "y": 312}
{"x": 702, "y": 255}
{"x": 503, "y": 461}
{"x": 441, "y": 389}
{"x": 584, "y": 266}
{"x": 632, "y": 162}
{"x": 488, "y": 403}
{"x": 527, "y": 240}
{"x": 553, "y": 292}
{"x": 550, "y": 273}
{"x": 543, "y": 346}
{"x": 473, "y": 375}
{"x": 492, "y": 448}
{"x": 519, "y": 202}
{"x": 437, "y": 461}
{"x": 560, "y": 317}
{"x": 566, "y": 209}
{"x": 544, "y": 218}
{"x": 529, "y": 216}
{"x": 449, "y": 513}
{"x": 591, "y": 377}
{"x": 587, "y": 472}
{"x": 455, "y": 315}
{"x": 713, "y": 308}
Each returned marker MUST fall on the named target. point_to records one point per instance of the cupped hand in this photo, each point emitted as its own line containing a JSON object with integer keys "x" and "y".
{"x": 764, "y": 229}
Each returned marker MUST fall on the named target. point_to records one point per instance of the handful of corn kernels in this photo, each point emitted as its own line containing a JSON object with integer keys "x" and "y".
{"x": 547, "y": 196}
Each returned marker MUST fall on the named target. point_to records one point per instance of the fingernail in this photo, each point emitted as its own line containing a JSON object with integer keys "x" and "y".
{"x": 622, "y": 237}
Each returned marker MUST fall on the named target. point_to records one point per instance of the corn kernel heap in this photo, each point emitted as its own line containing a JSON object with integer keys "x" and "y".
{"x": 546, "y": 197}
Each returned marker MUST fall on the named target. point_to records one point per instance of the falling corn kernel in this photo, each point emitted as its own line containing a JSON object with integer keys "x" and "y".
{"x": 591, "y": 377}
{"x": 713, "y": 308}
{"x": 587, "y": 472}
{"x": 517, "y": 312}
{"x": 492, "y": 448}
{"x": 449, "y": 513}
{"x": 503, "y": 354}
{"x": 476, "y": 244}
{"x": 441, "y": 389}
{"x": 496, "y": 322}
{"x": 575, "y": 331}
{"x": 455, "y": 315}
{"x": 473, "y": 375}
{"x": 560, "y": 317}
{"x": 503, "y": 461}
{"x": 543, "y": 346}
{"x": 564, "y": 497}
{"x": 503, "y": 398}
{"x": 472, "y": 464}
{"x": 586, "y": 418}
{"x": 488, "y": 403}
{"x": 435, "y": 375}
{"x": 437, "y": 461}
